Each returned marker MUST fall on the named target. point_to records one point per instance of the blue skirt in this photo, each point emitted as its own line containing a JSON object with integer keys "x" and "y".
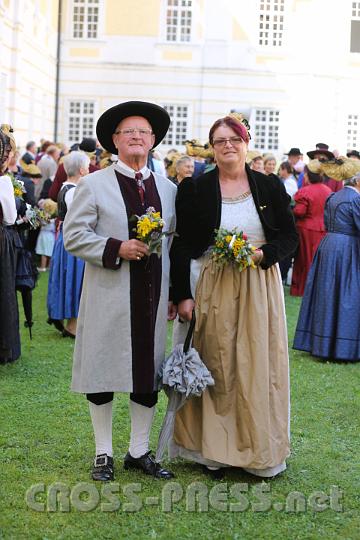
{"x": 329, "y": 318}
{"x": 65, "y": 283}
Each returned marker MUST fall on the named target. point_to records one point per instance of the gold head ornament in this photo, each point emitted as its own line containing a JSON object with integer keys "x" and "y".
{"x": 252, "y": 154}
{"x": 195, "y": 149}
{"x": 315, "y": 166}
{"x": 341, "y": 168}
{"x": 241, "y": 120}
{"x": 170, "y": 163}
{"x": 8, "y": 130}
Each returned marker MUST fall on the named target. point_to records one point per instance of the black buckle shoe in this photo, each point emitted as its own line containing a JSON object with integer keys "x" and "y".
{"x": 148, "y": 465}
{"x": 103, "y": 469}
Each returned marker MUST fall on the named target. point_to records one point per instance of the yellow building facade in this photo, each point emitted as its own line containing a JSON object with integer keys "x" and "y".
{"x": 293, "y": 76}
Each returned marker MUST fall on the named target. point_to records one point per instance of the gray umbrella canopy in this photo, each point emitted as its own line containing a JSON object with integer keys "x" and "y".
{"x": 183, "y": 374}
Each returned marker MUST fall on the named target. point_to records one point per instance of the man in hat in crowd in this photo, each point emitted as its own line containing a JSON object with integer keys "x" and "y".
{"x": 87, "y": 145}
{"x": 121, "y": 333}
{"x": 353, "y": 154}
{"x": 322, "y": 153}
{"x": 295, "y": 159}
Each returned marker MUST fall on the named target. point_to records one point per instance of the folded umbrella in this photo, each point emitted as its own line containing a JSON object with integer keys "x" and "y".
{"x": 26, "y": 276}
{"x": 182, "y": 374}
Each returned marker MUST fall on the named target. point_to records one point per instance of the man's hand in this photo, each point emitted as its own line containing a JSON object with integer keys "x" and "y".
{"x": 258, "y": 256}
{"x": 133, "y": 250}
{"x": 185, "y": 309}
{"x": 172, "y": 311}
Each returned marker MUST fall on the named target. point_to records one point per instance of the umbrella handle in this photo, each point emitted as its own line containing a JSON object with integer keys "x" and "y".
{"x": 190, "y": 333}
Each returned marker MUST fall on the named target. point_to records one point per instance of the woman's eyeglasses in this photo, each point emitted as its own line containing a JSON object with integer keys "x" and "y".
{"x": 129, "y": 132}
{"x": 234, "y": 141}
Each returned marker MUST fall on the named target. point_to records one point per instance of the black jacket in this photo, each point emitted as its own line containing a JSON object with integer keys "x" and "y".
{"x": 198, "y": 211}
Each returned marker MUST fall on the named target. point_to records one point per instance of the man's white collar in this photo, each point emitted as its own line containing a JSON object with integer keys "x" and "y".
{"x": 128, "y": 171}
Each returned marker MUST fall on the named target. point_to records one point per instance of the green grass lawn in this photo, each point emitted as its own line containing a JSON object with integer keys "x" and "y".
{"x": 46, "y": 437}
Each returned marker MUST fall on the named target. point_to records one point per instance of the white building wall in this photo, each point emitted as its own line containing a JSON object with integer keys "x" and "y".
{"x": 27, "y": 63}
{"x": 312, "y": 79}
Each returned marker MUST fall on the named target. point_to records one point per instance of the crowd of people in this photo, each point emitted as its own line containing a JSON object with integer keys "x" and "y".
{"x": 110, "y": 292}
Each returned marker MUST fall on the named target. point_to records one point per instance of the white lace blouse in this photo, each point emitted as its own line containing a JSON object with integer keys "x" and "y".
{"x": 240, "y": 213}
{"x": 7, "y": 200}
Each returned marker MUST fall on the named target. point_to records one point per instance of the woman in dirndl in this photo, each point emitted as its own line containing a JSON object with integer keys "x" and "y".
{"x": 10, "y": 348}
{"x": 329, "y": 317}
{"x": 240, "y": 334}
{"x": 66, "y": 271}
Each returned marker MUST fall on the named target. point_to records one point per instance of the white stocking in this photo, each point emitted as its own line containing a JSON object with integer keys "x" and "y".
{"x": 141, "y": 422}
{"x": 101, "y": 417}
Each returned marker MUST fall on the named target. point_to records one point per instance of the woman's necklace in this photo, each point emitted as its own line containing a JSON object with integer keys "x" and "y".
{"x": 236, "y": 193}
{"x": 237, "y": 198}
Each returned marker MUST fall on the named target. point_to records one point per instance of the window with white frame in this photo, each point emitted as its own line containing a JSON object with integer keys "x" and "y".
{"x": 355, "y": 27}
{"x": 271, "y": 22}
{"x": 85, "y": 19}
{"x": 178, "y": 130}
{"x": 81, "y": 120}
{"x": 352, "y": 135}
{"x": 266, "y": 130}
{"x": 179, "y": 20}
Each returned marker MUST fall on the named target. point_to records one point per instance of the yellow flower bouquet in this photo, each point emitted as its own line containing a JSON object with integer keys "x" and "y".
{"x": 36, "y": 217}
{"x": 149, "y": 229}
{"x": 18, "y": 186}
{"x": 233, "y": 247}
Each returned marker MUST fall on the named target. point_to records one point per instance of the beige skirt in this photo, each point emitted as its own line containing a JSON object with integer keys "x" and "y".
{"x": 240, "y": 334}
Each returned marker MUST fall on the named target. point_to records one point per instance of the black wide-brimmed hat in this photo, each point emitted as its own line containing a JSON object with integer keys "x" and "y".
{"x": 157, "y": 117}
{"x": 321, "y": 148}
{"x": 88, "y": 145}
{"x": 353, "y": 153}
{"x": 294, "y": 152}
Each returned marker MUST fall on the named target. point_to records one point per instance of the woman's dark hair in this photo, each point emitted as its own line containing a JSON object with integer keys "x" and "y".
{"x": 5, "y": 148}
{"x": 314, "y": 178}
{"x": 230, "y": 122}
{"x": 285, "y": 165}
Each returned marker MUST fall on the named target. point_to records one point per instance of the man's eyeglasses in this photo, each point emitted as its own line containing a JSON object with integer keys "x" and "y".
{"x": 129, "y": 132}
{"x": 234, "y": 141}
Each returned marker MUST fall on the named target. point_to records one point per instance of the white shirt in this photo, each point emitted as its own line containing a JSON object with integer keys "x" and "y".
{"x": 69, "y": 195}
{"x": 291, "y": 186}
{"x": 128, "y": 171}
{"x": 7, "y": 201}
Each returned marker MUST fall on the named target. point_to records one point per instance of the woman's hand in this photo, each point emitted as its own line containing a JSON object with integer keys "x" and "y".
{"x": 172, "y": 311}
{"x": 257, "y": 256}
{"x": 133, "y": 250}
{"x": 185, "y": 309}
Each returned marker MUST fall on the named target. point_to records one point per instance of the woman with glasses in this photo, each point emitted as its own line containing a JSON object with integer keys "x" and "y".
{"x": 240, "y": 333}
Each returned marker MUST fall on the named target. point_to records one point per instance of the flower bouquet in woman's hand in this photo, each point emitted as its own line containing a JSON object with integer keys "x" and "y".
{"x": 233, "y": 247}
{"x": 36, "y": 217}
{"x": 18, "y": 186}
{"x": 149, "y": 229}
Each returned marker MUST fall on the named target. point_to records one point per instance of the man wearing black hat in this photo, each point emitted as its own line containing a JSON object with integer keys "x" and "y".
{"x": 121, "y": 332}
{"x": 353, "y": 154}
{"x": 322, "y": 153}
{"x": 295, "y": 160}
